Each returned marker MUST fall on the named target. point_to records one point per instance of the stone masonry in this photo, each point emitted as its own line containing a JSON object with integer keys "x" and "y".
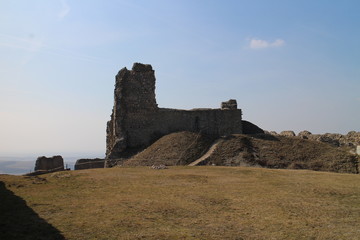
{"x": 89, "y": 163}
{"x": 55, "y": 163}
{"x": 136, "y": 121}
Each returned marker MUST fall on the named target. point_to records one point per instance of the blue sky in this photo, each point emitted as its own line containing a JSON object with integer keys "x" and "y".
{"x": 291, "y": 65}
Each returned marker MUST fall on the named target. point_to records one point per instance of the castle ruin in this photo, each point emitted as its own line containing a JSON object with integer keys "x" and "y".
{"x": 137, "y": 121}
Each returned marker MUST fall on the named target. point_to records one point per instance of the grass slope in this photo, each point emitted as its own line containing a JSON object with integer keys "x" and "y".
{"x": 283, "y": 152}
{"x": 179, "y": 148}
{"x": 259, "y": 150}
{"x": 182, "y": 203}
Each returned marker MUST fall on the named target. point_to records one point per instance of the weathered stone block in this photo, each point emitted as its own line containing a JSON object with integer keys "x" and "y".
{"x": 55, "y": 163}
{"x": 89, "y": 163}
{"x": 304, "y": 134}
{"x": 231, "y": 104}
{"x": 287, "y": 133}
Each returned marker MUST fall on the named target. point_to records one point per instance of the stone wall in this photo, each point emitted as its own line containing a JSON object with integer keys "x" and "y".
{"x": 55, "y": 163}
{"x": 136, "y": 120}
{"x": 89, "y": 163}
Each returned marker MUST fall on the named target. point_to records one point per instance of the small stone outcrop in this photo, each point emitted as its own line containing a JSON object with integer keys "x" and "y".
{"x": 331, "y": 138}
{"x": 287, "y": 134}
{"x": 351, "y": 139}
{"x": 51, "y": 164}
{"x": 304, "y": 134}
{"x": 159, "y": 167}
{"x": 89, "y": 163}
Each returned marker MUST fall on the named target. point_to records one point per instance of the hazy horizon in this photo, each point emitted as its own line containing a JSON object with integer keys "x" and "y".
{"x": 21, "y": 164}
{"x": 290, "y": 65}
{"x": 34, "y": 155}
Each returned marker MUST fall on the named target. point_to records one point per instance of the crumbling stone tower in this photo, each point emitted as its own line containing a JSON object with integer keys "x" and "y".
{"x": 136, "y": 120}
{"x": 134, "y": 99}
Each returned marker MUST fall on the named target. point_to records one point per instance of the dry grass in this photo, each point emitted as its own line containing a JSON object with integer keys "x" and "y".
{"x": 283, "y": 152}
{"x": 188, "y": 203}
{"x": 262, "y": 150}
{"x": 180, "y": 148}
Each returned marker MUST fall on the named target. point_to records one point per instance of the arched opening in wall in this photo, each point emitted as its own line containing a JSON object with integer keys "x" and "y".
{"x": 197, "y": 124}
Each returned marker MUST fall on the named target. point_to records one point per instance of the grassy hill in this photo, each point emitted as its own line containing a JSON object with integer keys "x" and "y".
{"x": 179, "y": 148}
{"x": 181, "y": 203}
{"x": 283, "y": 152}
{"x": 259, "y": 150}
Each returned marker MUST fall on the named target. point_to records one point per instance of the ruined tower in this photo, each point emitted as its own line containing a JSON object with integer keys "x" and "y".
{"x": 136, "y": 120}
{"x": 134, "y": 97}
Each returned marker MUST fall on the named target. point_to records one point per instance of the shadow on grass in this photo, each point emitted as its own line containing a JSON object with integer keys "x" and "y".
{"x": 18, "y": 221}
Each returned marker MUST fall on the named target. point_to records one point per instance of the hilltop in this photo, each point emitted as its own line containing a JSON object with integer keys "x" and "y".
{"x": 259, "y": 150}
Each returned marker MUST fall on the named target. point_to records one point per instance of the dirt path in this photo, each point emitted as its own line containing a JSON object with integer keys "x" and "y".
{"x": 205, "y": 157}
